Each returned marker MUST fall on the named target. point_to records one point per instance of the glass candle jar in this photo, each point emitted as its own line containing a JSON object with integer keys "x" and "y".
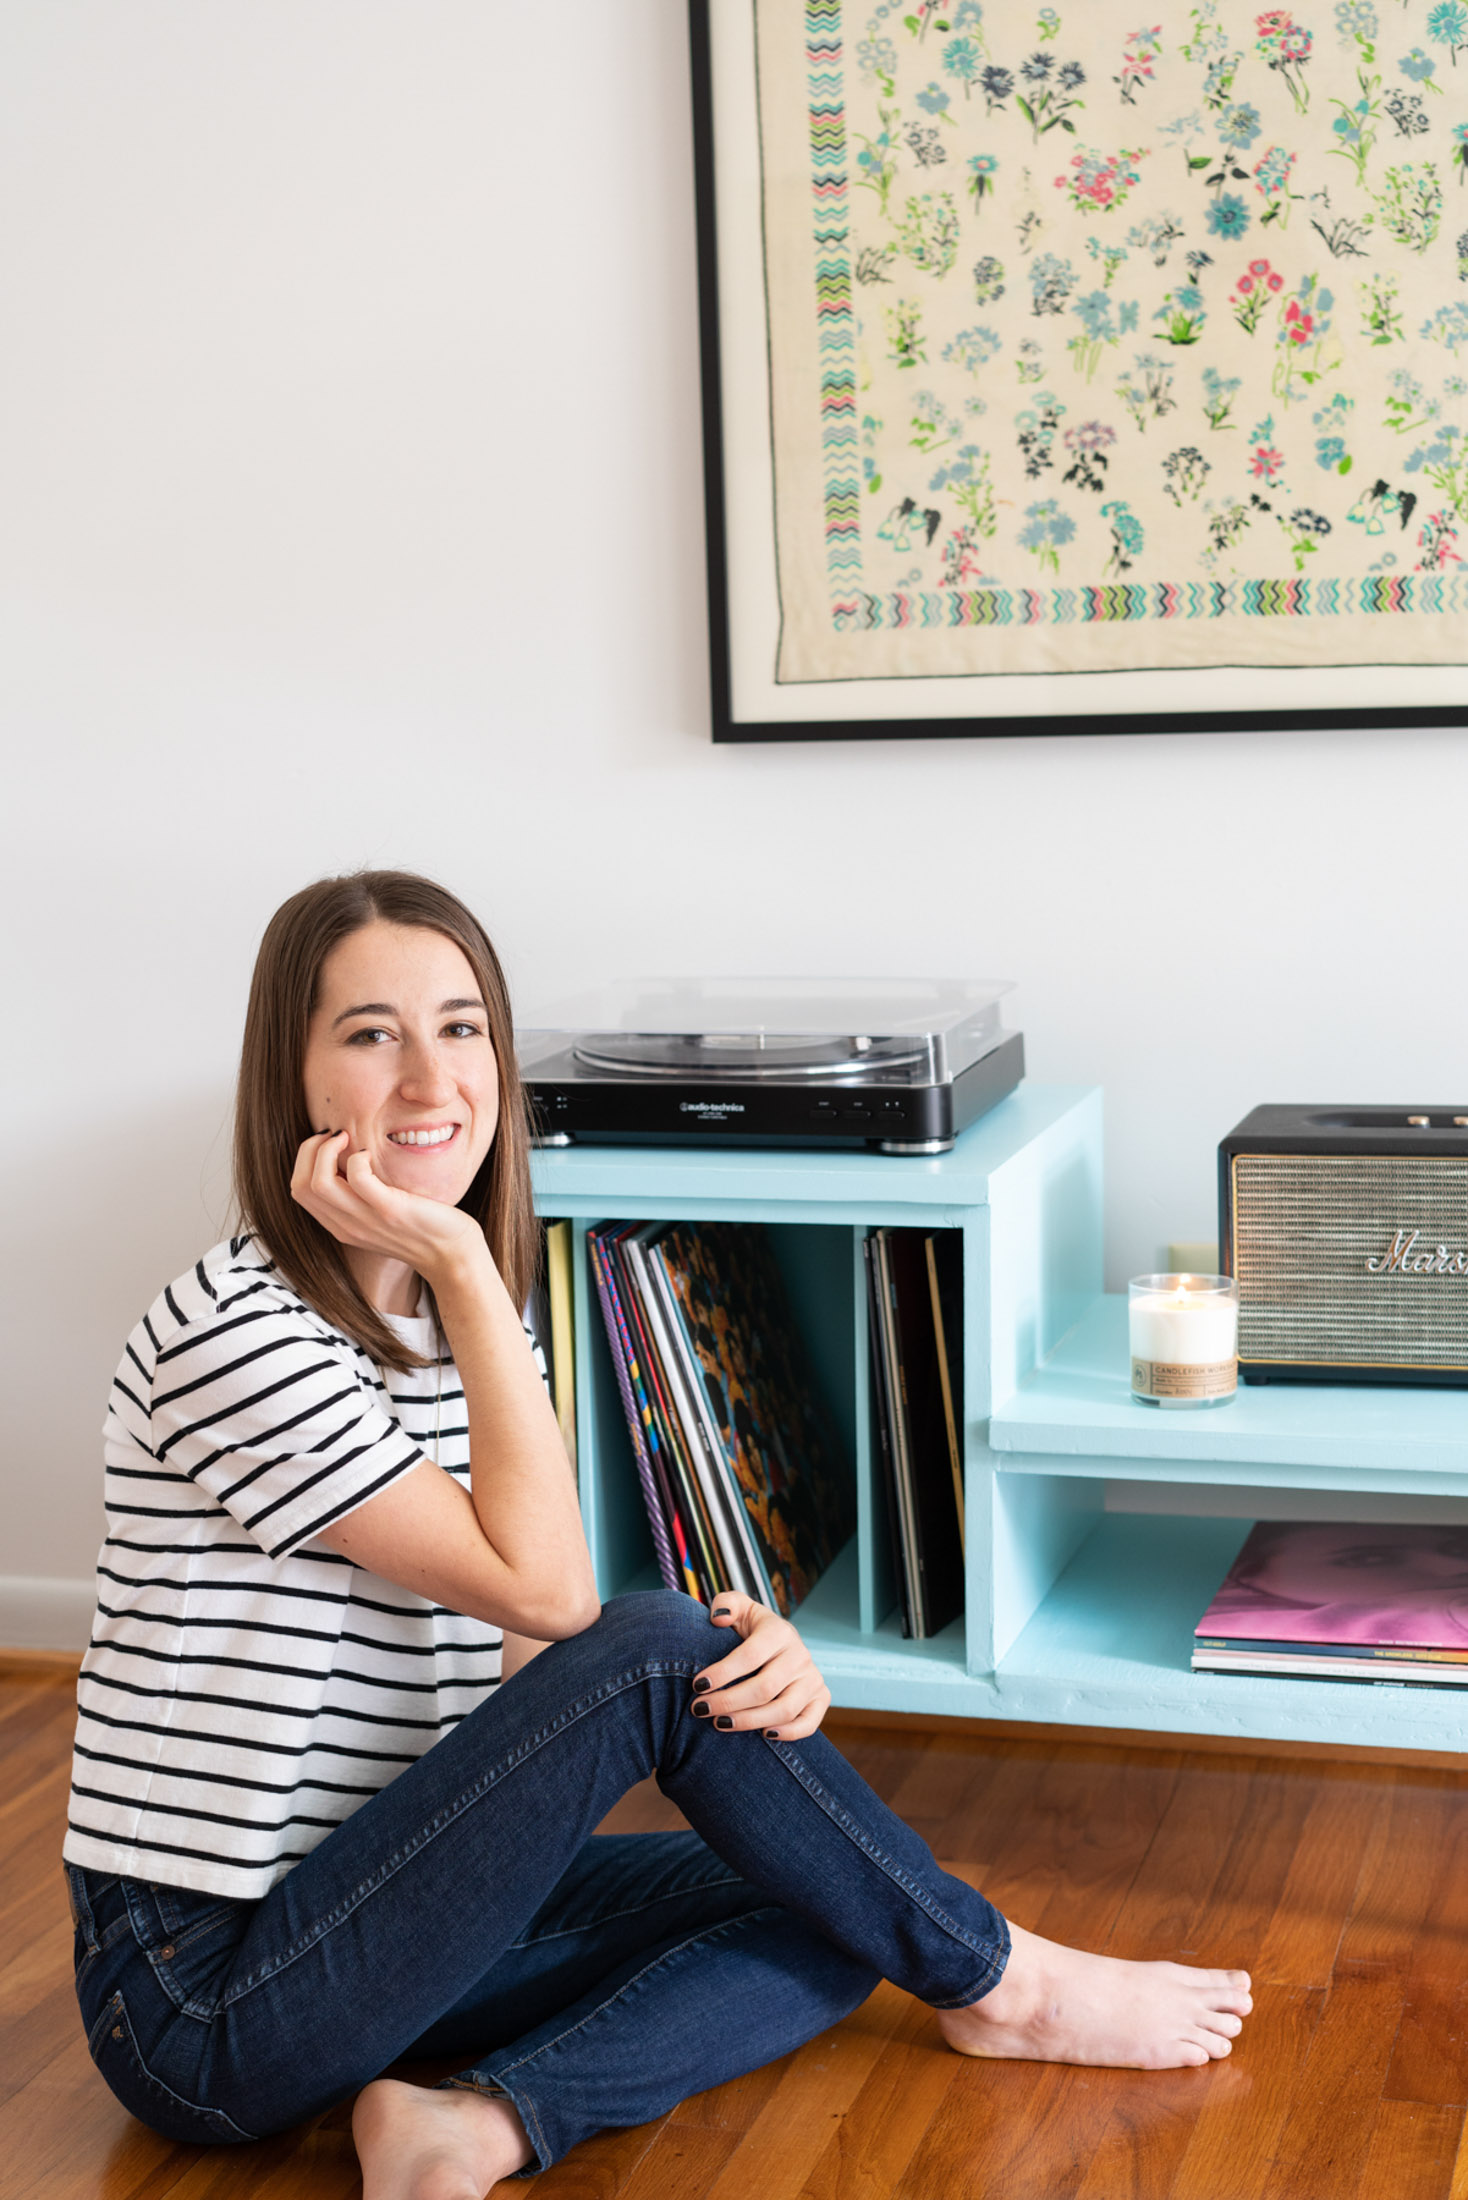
{"x": 1184, "y": 1339}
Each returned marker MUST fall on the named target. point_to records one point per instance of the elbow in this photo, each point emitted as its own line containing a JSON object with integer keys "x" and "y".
{"x": 561, "y": 1614}
{"x": 575, "y": 1617}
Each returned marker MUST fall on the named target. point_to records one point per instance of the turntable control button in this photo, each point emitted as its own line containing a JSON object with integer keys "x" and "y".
{"x": 824, "y": 1111}
{"x": 892, "y": 1107}
{"x": 857, "y": 1107}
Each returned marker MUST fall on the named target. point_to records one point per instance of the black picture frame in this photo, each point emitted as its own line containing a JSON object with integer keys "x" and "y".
{"x": 728, "y": 727}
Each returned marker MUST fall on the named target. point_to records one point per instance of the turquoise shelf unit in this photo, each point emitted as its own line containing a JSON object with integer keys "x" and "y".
{"x": 1076, "y": 1615}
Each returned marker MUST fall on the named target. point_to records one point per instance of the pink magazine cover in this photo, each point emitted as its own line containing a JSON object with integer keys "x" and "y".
{"x": 1339, "y": 1582}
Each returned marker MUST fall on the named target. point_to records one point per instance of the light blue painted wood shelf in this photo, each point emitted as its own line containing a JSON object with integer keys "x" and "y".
{"x": 1075, "y": 1616}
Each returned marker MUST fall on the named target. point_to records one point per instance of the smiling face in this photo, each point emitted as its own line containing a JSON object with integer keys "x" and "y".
{"x": 398, "y": 1055}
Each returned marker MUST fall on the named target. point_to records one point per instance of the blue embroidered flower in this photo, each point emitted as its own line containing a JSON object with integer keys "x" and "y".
{"x": 963, "y": 58}
{"x": 1329, "y": 451}
{"x": 967, "y": 11}
{"x": 876, "y": 57}
{"x": 932, "y": 99}
{"x": 1419, "y": 66}
{"x": 1228, "y": 216}
{"x": 971, "y": 347}
{"x": 1125, "y": 526}
{"x": 1355, "y": 18}
{"x": 1449, "y": 325}
{"x": 997, "y": 84}
{"x": 1037, "y": 68}
{"x": 1049, "y": 527}
{"x": 1447, "y": 25}
{"x": 1239, "y": 125}
{"x": 1129, "y": 313}
{"x": 1094, "y": 315}
{"x": 1072, "y": 76}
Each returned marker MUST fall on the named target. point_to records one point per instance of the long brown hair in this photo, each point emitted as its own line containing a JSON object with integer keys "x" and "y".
{"x": 271, "y": 1119}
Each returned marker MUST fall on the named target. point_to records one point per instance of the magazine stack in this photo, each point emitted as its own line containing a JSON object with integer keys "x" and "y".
{"x": 1337, "y": 1601}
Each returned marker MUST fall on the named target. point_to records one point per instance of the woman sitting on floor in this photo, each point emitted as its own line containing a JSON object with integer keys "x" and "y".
{"x": 309, "y": 1833}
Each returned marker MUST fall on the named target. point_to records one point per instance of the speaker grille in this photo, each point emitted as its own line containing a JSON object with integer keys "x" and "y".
{"x": 1305, "y": 1226}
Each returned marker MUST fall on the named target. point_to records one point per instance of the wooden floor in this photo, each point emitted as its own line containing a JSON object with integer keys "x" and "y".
{"x": 1342, "y": 1887}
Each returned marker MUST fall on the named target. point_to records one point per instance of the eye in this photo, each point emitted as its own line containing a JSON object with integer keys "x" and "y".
{"x": 463, "y": 1031}
{"x": 368, "y": 1036}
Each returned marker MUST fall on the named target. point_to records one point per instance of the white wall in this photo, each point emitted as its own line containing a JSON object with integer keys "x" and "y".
{"x": 350, "y": 511}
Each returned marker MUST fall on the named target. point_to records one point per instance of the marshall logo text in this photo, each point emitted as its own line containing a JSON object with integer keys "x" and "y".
{"x": 1403, "y": 1259}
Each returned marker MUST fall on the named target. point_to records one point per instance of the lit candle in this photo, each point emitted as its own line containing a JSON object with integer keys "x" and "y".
{"x": 1184, "y": 1339}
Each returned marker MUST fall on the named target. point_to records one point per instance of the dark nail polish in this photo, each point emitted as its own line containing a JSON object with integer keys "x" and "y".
{"x": 720, "y": 1612}
{"x": 700, "y": 1711}
{"x": 724, "y": 1722}
{"x": 700, "y": 1686}
{"x": 772, "y": 1734}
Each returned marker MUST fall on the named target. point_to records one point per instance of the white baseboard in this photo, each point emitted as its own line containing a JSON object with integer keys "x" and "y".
{"x": 37, "y": 1614}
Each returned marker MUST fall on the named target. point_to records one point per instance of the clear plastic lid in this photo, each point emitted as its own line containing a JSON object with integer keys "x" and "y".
{"x": 773, "y": 1026}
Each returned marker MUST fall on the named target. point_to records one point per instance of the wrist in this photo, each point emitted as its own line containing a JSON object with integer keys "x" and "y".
{"x": 463, "y": 1265}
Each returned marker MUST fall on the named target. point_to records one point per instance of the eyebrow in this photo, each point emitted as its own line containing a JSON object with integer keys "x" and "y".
{"x": 385, "y": 1008}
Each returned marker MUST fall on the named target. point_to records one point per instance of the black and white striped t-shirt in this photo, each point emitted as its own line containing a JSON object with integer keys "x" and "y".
{"x": 246, "y": 1689}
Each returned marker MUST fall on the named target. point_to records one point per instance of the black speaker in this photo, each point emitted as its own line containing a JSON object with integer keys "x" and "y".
{"x": 1347, "y": 1229}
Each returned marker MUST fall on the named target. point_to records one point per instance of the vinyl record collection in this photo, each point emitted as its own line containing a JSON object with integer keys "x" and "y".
{"x": 741, "y": 1475}
{"x": 915, "y": 1309}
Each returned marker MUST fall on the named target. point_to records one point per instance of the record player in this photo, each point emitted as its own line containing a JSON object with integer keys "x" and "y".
{"x": 896, "y": 1065}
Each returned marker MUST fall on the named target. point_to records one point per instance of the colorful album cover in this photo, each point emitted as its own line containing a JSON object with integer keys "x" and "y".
{"x": 797, "y": 1490}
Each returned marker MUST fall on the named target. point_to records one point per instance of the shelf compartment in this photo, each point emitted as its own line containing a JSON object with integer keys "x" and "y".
{"x": 1074, "y": 1414}
{"x": 816, "y": 1264}
{"x": 1110, "y": 1645}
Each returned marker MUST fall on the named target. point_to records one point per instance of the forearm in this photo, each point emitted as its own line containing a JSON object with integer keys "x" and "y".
{"x": 523, "y": 1493}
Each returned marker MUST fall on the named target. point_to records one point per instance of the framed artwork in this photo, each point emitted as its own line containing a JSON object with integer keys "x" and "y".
{"x": 1083, "y": 367}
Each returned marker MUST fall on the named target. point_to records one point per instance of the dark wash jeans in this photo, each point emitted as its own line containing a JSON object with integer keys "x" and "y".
{"x": 468, "y": 1909}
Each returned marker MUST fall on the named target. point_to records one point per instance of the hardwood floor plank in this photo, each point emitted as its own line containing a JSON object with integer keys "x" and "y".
{"x": 38, "y": 2011}
{"x": 1161, "y": 1915}
{"x": 734, "y": 2106}
{"x": 866, "y": 2155}
{"x": 1100, "y": 1821}
{"x": 1244, "y": 2101}
{"x": 1252, "y": 1872}
{"x": 64, "y": 2137}
{"x": 1345, "y": 1822}
{"x": 1336, "y": 2092}
{"x": 1401, "y": 1875}
{"x": 1145, "y": 2136}
{"x": 1026, "y": 2130}
{"x": 599, "y": 2169}
{"x": 1429, "y": 2062}
{"x": 1412, "y": 2152}
{"x": 681, "y": 2163}
{"x": 777, "y": 2153}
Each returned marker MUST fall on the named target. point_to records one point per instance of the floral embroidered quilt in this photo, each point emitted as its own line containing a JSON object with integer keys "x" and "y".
{"x": 1110, "y": 337}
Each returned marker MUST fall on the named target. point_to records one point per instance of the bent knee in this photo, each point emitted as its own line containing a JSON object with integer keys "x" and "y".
{"x": 661, "y": 1623}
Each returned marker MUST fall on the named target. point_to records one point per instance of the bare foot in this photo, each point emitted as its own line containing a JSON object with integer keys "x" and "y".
{"x": 1056, "y": 2004}
{"x": 417, "y": 2144}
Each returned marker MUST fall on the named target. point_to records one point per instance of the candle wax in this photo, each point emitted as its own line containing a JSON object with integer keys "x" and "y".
{"x": 1197, "y": 1330}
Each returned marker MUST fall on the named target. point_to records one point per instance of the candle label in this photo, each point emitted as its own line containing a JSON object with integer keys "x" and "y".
{"x": 1174, "y": 1379}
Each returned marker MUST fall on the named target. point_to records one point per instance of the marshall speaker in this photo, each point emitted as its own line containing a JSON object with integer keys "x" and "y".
{"x": 1347, "y": 1229}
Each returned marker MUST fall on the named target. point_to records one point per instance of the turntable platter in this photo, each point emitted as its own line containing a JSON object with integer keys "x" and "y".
{"x": 737, "y": 1056}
